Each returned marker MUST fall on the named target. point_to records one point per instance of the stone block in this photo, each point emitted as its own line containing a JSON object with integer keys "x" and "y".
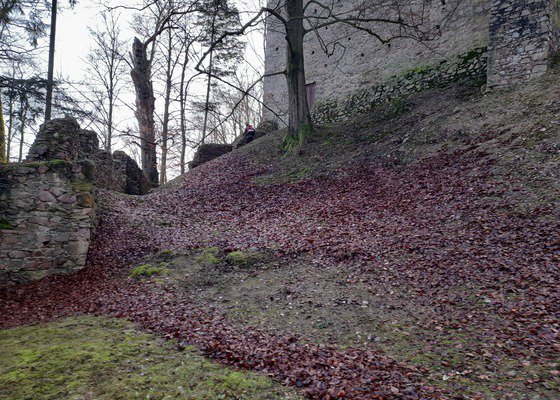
{"x": 46, "y": 197}
{"x": 208, "y": 152}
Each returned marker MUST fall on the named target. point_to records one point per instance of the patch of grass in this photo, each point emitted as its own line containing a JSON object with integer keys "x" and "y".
{"x": 208, "y": 256}
{"x": 166, "y": 255}
{"x": 238, "y": 258}
{"x": 148, "y": 270}
{"x": 99, "y": 358}
{"x": 398, "y": 106}
{"x": 291, "y": 142}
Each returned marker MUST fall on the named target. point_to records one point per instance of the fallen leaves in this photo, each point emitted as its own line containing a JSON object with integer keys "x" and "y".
{"x": 430, "y": 226}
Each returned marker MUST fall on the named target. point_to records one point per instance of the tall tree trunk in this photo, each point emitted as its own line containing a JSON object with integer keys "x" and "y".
{"x": 209, "y": 86}
{"x": 109, "y": 142}
{"x": 165, "y": 128}
{"x": 145, "y": 105}
{"x": 108, "y": 145}
{"x": 10, "y": 126}
{"x": 3, "y": 141}
{"x": 50, "y": 77}
{"x": 182, "y": 105}
{"x": 299, "y": 115}
{"x": 24, "y": 106}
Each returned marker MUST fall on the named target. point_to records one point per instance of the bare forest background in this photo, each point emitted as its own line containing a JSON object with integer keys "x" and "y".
{"x": 200, "y": 93}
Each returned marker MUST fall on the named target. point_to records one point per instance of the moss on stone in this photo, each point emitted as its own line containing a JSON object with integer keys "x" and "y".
{"x": 5, "y": 225}
{"x": 88, "y": 169}
{"x": 103, "y": 358}
{"x": 82, "y": 186}
{"x": 86, "y": 200}
{"x": 56, "y": 163}
{"x": 417, "y": 70}
{"x": 52, "y": 164}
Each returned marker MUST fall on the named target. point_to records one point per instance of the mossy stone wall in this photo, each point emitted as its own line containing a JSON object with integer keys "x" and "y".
{"x": 469, "y": 67}
{"x": 47, "y": 217}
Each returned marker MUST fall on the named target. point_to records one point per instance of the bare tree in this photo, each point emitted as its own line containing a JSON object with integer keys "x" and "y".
{"x": 145, "y": 105}
{"x": 217, "y": 17}
{"x": 106, "y": 70}
{"x": 383, "y": 20}
{"x": 3, "y": 136}
{"x": 164, "y": 16}
{"x": 183, "y": 96}
{"x": 52, "y": 43}
{"x": 142, "y": 57}
{"x": 172, "y": 52}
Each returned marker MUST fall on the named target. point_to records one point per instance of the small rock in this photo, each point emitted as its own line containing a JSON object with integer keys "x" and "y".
{"x": 67, "y": 199}
{"x": 46, "y": 197}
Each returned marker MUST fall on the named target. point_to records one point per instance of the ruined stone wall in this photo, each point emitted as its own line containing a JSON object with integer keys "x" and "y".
{"x": 522, "y": 37}
{"x": 47, "y": 204}
{"x": 359, "y": 61}
{"x": 469, "y": 68}
{"x": 208, "y": 152}
{"x": 63, "y": 139}
{"x": 523, "y": 40}
{"x": 47, "y": 216}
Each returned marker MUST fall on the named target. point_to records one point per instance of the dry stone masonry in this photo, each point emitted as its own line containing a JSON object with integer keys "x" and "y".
{"x": 523, "y": 40}
{"x": 48, "y": 203}
{"x": 47, "y": 217}
{"x": 500, "y": 42}
{"x": 208, "y": 152}
{"x": 63, "y": 139}
{"x": 469, "y": 67}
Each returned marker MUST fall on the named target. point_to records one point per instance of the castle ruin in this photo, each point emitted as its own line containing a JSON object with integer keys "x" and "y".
{"x": 48, "y": 204}
{"x": 495, "y": 43}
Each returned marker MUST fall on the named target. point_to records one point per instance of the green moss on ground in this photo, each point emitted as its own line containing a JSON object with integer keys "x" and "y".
{"x": 208, "y": 256}
{"x": 148, "y": 270}
{"x": 99, "y": 358}
{"x": 165, "y": 255}
{"x": 238, "y": 258}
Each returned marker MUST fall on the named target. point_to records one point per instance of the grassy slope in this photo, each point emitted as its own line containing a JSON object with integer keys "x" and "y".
{"x": 98, "y": 358}
{"x": 344, "y": 306}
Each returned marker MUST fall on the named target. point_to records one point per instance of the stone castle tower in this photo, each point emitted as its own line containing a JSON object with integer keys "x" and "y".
{"x": 493, "y": 42}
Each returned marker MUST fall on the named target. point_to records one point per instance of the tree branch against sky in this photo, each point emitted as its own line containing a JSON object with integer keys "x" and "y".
{"x": 382, "y": 20}
{"x": 72, "y": 42}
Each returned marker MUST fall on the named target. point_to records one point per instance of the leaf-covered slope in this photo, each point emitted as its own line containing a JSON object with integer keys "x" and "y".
{"x": 453, "y": 201}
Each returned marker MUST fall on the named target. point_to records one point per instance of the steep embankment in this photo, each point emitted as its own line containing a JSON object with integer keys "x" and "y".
{"x": 428, "y": 235}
